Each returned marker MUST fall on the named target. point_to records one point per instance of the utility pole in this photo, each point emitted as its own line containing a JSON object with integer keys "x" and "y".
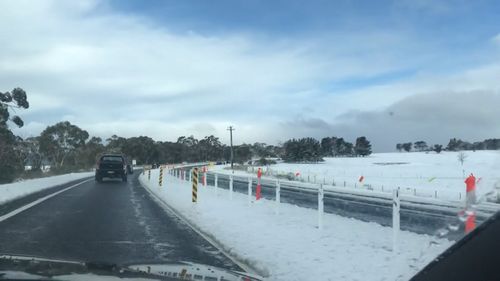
{"x": 231, "y": 129}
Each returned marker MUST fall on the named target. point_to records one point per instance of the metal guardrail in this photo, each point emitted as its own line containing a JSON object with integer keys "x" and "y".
{"x": 379, "y": 198}
{"x": 429, "y": 205}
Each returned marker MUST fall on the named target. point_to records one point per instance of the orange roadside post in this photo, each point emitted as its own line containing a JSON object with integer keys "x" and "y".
{"x": 470, "y": 222}
{"x": 259, "y": 187}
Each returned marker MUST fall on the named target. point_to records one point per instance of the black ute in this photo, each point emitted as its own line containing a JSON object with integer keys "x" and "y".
{"x": 111, "y": 166}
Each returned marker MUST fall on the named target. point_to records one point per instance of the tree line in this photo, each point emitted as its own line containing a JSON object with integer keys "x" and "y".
{"x": 66, "y": 147}
{"x": 453, "y": 145}
{"x": 312, "y": 150}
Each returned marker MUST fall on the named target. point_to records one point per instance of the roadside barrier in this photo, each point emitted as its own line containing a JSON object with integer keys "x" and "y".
{"x": 468, "y": 216}
{"x": 396, "y": 207}
{"x": 194, "y": 176}
{"x": 249, "y": 190}
{"x": 216, "y": 182}
{"x": 470, "y": 222}
{"x": 231, "y": 187}
{"x": 204, "y": 175}
{"x": 278, "y": 195}
{"x": 160, "y": 179}
{"x": 321, "y": 205}
{"x": 205, "y": 178}
{"x": 259, "y": 187}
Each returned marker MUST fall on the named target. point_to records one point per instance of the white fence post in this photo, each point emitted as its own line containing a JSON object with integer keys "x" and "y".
{"x": 320, "y": 206}
{"x": 216, "y": 182}
{"x": 231, "y": 187}
{"x": 278, "y": 195}
{"x": 249, "y": 190}
{"x": 395, "y": 220}
{"x": 190, "y": 175}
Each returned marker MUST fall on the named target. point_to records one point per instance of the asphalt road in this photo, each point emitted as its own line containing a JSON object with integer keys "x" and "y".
{"x": 114, "y": 222}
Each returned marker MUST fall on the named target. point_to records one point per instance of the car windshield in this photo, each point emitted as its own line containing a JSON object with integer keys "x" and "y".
{"x": 249, "y": 139}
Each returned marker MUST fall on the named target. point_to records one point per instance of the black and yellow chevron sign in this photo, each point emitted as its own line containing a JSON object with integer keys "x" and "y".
{"x": 160, "y": 180}
{"x": 194, "y": 178}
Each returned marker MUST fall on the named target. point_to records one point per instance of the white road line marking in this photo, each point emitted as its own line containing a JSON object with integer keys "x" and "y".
{"x": 38, "y": 201}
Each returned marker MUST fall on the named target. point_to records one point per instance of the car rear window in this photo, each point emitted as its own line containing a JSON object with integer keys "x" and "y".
{"x": 112, "y": 159}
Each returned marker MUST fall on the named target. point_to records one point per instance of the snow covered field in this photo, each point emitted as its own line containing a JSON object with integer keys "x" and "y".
{"x": 416, "y": 173}
{"x": 12, "y": 191}
{"x": 288, "y": 246}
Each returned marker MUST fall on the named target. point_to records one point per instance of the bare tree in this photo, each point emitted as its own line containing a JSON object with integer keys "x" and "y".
{"x": 461, "y": 157}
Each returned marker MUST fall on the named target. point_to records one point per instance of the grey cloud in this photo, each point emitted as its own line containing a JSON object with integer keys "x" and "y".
{"x": 115, "y": 74}
{"x": 310, "y": 123}
{"x": 433, "y": 117}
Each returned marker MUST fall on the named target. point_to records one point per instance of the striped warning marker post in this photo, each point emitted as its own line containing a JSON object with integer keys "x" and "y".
{"x": 194, "y": 176}
{"x": 160, "y": 179}
{"x": 149, "y": 175}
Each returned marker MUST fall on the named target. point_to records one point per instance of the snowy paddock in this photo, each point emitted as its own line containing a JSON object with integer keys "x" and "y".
{"x": 285, "y": 243}
{"x": 416, "y": 173}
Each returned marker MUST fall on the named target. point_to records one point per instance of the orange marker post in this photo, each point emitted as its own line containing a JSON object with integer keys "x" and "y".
{"x": 204, "y": 176}
{"x": 470, "y": 188}
{"x": 470, "y": 222}
{"x": 259, "y": 188}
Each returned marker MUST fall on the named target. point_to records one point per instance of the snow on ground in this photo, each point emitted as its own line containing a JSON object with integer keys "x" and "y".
{"x": 12, "y": 191}
{"x": 288, "y": 245}
{"x": 416, "y": 173}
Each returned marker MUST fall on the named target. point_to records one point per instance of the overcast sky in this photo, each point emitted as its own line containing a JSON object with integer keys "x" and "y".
{"x": 393, "y": 71}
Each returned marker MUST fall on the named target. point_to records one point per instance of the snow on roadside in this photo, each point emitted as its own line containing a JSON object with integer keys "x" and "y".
{"x": 12, "y": 191}
{"x": 288, "y": 246}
